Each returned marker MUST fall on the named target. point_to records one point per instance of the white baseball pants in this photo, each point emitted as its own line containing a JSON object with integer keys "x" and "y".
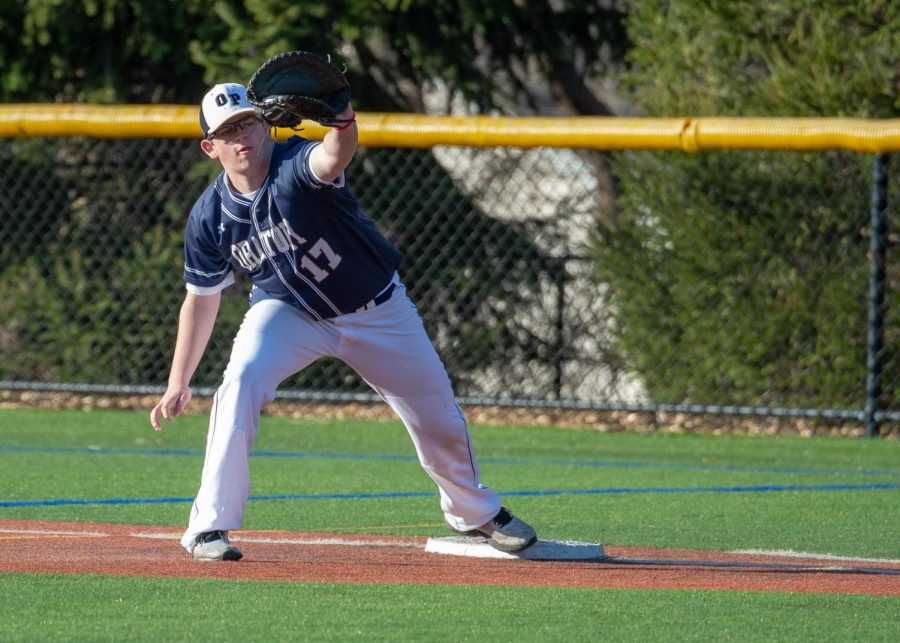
{"x": 389, "y": 348}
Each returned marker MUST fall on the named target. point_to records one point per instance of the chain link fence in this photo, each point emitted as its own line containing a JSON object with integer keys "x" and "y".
{"x": 732, "y": 281}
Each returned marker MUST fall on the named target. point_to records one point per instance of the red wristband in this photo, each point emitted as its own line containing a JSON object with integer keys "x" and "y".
{"x": 346, "y": 123}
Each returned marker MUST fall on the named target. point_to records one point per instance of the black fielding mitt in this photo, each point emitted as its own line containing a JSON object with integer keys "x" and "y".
{"x": 298, "y": 85}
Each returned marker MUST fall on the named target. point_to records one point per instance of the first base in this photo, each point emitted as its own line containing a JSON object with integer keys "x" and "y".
{"x": 541, "y": 550}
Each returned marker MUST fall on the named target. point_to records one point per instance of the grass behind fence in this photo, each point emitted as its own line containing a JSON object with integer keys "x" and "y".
{"x": 699, "y": 491}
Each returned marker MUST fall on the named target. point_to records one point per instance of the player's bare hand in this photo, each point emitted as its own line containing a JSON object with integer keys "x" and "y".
{"x": 170, "y": 405}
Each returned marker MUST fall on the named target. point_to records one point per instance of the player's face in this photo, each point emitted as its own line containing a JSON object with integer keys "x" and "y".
{"x": 242, "y": 145}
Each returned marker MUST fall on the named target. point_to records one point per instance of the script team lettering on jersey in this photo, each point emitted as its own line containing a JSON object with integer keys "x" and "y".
{"x": 251, "y": 252}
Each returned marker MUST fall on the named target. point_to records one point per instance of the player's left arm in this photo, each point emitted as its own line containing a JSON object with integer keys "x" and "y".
{"x": 331, "y": 158}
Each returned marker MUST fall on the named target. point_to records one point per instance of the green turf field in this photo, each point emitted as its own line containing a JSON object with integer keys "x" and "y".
{"x": 824, "y": 495}
{"x": 153, "y": 609}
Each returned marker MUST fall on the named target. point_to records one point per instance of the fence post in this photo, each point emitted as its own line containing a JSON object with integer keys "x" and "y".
{"x": 875, "y": 338}
{"x": 559, "y": 264}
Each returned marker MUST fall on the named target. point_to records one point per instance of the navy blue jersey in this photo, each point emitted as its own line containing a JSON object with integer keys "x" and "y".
{"x": 302, "y": 241}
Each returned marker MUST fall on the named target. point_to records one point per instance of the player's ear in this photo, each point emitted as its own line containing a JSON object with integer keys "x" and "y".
{"x": 208, "y": 148}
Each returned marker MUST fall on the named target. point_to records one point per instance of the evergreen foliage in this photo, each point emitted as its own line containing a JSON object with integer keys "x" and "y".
{"x": 741, "y": 277}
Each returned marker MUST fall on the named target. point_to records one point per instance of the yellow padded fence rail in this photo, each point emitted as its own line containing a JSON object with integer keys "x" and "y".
{"x": 689, "y": 134}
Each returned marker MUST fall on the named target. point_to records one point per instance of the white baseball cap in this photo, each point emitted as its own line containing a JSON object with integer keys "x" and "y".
{"x": 221, "y": 103}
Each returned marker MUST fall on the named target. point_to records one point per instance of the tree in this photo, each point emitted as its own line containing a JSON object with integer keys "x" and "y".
{"x": 504, "y": 54}
{"x": 745, "y": 58}
{"x": 101, "y": 51}
{"x": 741, "y": 276}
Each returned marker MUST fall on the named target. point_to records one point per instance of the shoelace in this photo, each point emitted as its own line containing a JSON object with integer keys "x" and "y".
{"x": 211, "y": 537}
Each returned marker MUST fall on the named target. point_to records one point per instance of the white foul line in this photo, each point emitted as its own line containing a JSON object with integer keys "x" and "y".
{"x": 47, "y": 532}
{"x": 299, "y": 541}
{"x": 788, "y": 553}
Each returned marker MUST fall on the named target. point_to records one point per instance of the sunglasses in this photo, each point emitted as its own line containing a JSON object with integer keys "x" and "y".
{"x": 230, "y": 129}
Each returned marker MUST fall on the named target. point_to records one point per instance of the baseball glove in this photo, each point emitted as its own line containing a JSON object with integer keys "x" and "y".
{"x": 298, "y": 85}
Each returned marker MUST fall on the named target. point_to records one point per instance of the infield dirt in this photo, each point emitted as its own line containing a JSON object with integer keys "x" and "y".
{"x": 130, "y": 550}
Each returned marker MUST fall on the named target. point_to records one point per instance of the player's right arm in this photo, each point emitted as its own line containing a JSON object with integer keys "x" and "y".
{"x": 329, "y": 159}
{"x": 195, "y": 326}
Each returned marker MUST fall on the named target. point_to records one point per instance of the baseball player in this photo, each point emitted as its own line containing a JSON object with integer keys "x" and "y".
{"x": 325, "y": 282}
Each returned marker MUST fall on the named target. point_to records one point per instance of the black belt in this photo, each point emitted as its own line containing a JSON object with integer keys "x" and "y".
{"x": 385, "y": 295}
{"x": 380, "y": 298}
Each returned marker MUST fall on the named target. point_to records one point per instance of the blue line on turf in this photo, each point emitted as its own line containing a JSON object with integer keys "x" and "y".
{"x": 425, "y": 494}
{"x": 608, "y": 464}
